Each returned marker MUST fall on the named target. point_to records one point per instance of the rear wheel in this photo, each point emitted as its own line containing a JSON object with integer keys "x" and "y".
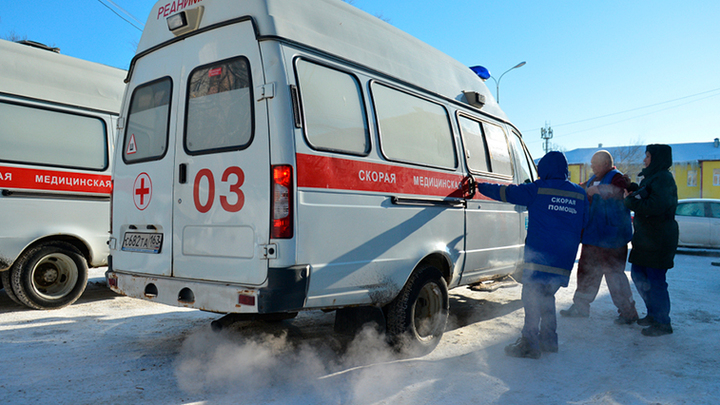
{"x": 416, "y": 318}
{"x": 7, "y": 285}
{"x": 49, "y": 276}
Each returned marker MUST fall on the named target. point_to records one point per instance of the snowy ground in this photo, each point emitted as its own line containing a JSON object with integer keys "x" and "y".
{"x": 109, "y": 349}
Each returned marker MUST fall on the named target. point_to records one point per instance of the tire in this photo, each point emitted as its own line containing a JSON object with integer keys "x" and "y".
{"x": 7, "y": 285}
{"x": 50, "y": 276}
{"x": 416, "y": 318}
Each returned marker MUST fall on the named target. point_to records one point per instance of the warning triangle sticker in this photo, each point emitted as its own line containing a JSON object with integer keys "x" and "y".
{"x": 131, "y": 148}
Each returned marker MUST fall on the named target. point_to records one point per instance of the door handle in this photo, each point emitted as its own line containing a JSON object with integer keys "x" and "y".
{"x": 469, "y": 187}
{"x": 182, "y": 175}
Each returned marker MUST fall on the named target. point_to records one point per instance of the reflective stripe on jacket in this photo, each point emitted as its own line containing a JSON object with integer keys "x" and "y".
{"x": 557, "y": 213}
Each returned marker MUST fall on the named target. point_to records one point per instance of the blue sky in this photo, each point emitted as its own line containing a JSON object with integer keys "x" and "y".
{"x": 610, "y": 72}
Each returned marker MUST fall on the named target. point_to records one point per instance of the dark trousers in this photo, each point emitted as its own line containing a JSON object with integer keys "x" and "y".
{"x": 653, "y": 289}
{"x": 540, "y": 319}
{"x": 596, "y": 262}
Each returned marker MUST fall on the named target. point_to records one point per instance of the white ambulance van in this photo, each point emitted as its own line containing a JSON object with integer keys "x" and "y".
{"x": 57, "y": 123}
{"x": 277, "y": 156}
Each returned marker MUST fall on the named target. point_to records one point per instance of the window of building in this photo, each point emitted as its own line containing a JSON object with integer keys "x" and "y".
{"x": 716, "y": 177}
{"x": 692, "y": 178}
{"x": 334, "y": 112}
{"x": 42, "y": 136}
{"x": 413, "y": 129}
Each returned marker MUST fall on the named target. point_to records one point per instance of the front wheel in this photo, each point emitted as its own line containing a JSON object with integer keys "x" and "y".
{"x": 416, "y": 318}
{"x": 49, "y": 276}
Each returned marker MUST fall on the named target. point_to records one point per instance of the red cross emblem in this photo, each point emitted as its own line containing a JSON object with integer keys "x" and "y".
{"x": 142, "y": 191}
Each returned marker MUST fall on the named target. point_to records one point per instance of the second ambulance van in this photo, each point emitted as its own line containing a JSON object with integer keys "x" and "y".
{"x": 57, "y": 133}
{"x": 276, "y": 156}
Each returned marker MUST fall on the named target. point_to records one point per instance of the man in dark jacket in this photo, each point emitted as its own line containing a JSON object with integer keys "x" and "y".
{"x": 557, "y": 213}
{"x": 604, "y": 243}
{"x": 656, "y": 237}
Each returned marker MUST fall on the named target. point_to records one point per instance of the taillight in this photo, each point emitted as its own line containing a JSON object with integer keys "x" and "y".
{"x": 246, "y": 300}
{"x": 282, "y": 204}
{"x": 112, "y": 195}
{"x": 112, "y": 281}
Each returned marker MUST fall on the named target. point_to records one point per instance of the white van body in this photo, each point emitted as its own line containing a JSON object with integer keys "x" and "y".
{"x": 370, "y": 134}
{"x": 58, "y": 117}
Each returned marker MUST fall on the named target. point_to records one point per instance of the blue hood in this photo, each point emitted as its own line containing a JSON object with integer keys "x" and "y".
{"x": 553, "y": 165}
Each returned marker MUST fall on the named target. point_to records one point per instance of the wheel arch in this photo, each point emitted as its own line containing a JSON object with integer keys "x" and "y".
{"x": 75, "y": 241}
{"x": 439, "y": 260}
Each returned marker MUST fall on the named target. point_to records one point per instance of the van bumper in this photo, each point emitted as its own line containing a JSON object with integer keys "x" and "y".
{"x": 285, "y": 290}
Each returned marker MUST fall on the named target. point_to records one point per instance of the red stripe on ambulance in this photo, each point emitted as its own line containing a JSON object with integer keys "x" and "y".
{"x": 345, "y": 174}
{"x": 35, "y": 179}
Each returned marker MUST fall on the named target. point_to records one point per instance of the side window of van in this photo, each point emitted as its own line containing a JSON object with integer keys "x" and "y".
{"x": 525, "y": 169}
{"x": 413, "y": 129}
{"x": 219, "y": 107}
{"x": 39, "y": 136}
{"x": 475, "y": 148}
{"x": 333, "y": 108}
{"x": 146, "y": 136}
{"x": 498, "y": 149}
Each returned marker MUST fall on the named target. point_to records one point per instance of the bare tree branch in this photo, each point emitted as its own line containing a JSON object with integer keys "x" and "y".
{"x": 14, "y": 37}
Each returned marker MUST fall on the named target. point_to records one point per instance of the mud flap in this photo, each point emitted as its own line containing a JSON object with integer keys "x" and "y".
{"x": 286, "y": 290}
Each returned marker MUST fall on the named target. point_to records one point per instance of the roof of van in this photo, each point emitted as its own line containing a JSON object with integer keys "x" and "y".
{"x": 41, "y": 74}
{"x": 340, "y": 29}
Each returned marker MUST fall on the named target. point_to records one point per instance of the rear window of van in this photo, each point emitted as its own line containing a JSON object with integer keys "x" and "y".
{"x": 219, "y": 107}
{"x": 146, "y": 136}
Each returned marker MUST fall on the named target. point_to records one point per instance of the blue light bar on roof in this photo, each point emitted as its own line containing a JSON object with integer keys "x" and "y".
{"x": 481, "y": 71}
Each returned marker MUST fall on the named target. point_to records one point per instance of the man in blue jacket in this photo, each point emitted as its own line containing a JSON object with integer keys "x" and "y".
{"x": 604, "y": 243}
{"x": 557, "y": 214}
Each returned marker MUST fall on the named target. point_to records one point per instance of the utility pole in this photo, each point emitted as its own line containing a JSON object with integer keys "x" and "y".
{"x": 546, "y": 134}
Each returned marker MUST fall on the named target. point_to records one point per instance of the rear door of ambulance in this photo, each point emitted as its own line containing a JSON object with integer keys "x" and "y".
{"x": 192, "y": 187}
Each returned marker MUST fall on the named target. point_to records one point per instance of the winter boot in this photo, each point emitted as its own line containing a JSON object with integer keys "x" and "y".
{"x": 548, "y": 341}
{"x": 658, "y": 329}
{"x": 575, "y": 312}
{"x": 621, "y": 320}
{"x": 548, "y": 347}
{"x": 646, "y": 321}
{"x": 523, "y": 348}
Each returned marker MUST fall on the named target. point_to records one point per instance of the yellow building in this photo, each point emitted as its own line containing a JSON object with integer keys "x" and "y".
{"x": 696, "y": 166}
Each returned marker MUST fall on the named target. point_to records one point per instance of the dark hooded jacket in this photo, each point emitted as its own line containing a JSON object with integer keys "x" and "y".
{"x": 557, "y": 213}
{"x": 655, "y": 238}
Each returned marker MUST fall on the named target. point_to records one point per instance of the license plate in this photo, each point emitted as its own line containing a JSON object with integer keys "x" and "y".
{"x": 142, "y": 242}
